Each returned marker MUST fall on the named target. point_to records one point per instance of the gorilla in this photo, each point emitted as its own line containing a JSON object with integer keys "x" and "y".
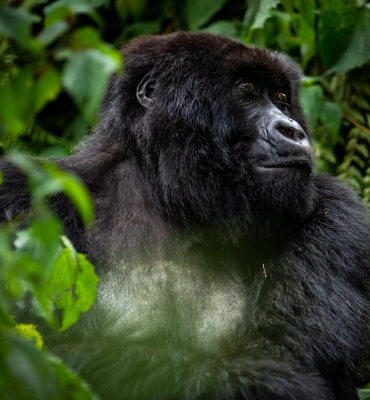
{"x": 229, "y": 269}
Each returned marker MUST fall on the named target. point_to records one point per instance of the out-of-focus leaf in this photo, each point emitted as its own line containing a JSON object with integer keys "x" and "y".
{"x": 52, "y": 32}
{"x": 16, "y": 23}
{"x": 134, "y": 8}
{"x": 311, "y": 101}
{"x": 27, "y": 366}
{"x": 331, "y": 116}
{"x": 358, "y": 49}
{"x": 199, "y": 13}
{"x": 28, "y": 373}
{"x": 306, "y": 31}
{"x": 80, "y": 6}
{"x": 258, "y": 11}
{"x": 9, "y": 111}
{"x": 48, "y": 86}
{"x": 88, "y": 37}
{"x": 58, "y": 14}
{"x": 75, "y": 190}
{"x": 85, "y": 77}
{"x": 142, "y": 28}
{"x": 30, "y": 332}
{"x": 29, "y": 4}
{"x": 335, "y": 27}
{"x": 363, "y": 394}
{"x": 225, "y": 28}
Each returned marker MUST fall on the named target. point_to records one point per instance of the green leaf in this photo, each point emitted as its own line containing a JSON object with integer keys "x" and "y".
{"x": 16, "y": 23}
{"x": 30, "y": 332}
{"x": 225, "y": 28}
{"x": 311, "y": 101}
{"x": 306, "y": 31}
{"x": 199, "y": 13}
{"x": 73, "y": 187}
{"x": 80, "y": 6}
{"x": 58, "y": 14}
{"x": 85, "y": 77}
{"x": 48, "y": 86}
{"x": 331, "y": 116}
{"x": 358, "y": 49}
{"x": 258, "y": 11}
{"x": 335, "y": 27}
{"x": 74, "y": 284}
{"x": 29, "y": 372}
{"x": 9, "y": 115}
{"x": 52, "y": 32}
{"x": 63, "y": 276}
{"x": 142, "y": 28}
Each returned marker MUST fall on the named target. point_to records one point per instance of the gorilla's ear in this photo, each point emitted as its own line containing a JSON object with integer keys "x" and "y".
{"x": 145, "y": 91}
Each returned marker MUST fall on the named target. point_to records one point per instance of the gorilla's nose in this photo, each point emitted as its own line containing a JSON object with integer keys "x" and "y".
{"x": 289, "y": 129}
{"x": 288, "y": 137}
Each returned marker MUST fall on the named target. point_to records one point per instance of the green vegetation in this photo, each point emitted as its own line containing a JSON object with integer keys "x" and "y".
{"x": 55, "y": 60}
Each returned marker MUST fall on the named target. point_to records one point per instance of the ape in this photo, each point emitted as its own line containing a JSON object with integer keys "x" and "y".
{"x": 229, "y": 269}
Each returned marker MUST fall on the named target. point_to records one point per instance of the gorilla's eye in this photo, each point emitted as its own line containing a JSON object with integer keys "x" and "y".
{"x": 248, "y": 86}
{"x": 283, "y": 97}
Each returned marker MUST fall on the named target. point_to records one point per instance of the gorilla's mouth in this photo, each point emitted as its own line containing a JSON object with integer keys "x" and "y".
{"x": 303, "y": 164}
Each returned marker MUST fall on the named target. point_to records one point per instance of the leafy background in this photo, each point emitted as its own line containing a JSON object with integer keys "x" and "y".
{"x": 55, "y": 60}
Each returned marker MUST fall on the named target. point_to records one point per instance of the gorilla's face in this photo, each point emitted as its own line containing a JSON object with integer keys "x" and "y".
{"x": 217, "y": 129}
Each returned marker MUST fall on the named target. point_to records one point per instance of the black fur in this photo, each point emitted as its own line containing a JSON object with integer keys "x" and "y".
{"x": 220, "y": 279}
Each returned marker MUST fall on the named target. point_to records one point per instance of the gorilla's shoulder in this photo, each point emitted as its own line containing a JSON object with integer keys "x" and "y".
{"x": 332, "y": 192}
{"x": 340, "y": 220}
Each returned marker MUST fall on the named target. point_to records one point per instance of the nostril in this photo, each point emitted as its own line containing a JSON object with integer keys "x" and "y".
{"x": 286, "y": 132}
{"x": 292, "y": 133}
{"x": 300, "y": 134}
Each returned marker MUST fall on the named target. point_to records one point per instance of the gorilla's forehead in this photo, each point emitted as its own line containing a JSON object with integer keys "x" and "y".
{"x": 207, "y": 54}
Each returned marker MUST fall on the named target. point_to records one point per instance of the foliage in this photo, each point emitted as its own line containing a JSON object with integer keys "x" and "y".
{"x": 41, "y": 273}
{"x": 55, "y": 60}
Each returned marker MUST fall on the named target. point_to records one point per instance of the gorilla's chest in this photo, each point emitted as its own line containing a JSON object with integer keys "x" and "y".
{"x": 183, "y": 306}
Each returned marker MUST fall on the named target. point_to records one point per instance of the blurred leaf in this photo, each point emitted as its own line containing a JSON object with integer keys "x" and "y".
{"x": 225, "y": 28}
{"x": 29, "y": 4}
{"x": 52, "y": 32}
{"x": 28, "y": 373}
{"x": 73, "y": 187}
{"x": 306, "y": 31}
{"x": 311, "y": 101}
{"x": 48, "y": 86}
{"x": 258, "y": 11}
{"x": 199, "y": 13}
{"x": 335, "y": 28}
{"x": 80, "y": 6}
{"x": 28, "y": 368}
{"x": 358, "y": 50}
{"x": 58, "y": 14}
{"x": 134, "y": 8}
{"x": 9, "y": 109}
{"x": 16, "y": 23}
{"x": 85, "y": 77}
{"x": 331, "y": 116}
{"x": 30, "y": 332}
{"x": 142, "y": 28}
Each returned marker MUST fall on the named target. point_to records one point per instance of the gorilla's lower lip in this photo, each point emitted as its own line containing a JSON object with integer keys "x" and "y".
{"x": 295, "y": 164}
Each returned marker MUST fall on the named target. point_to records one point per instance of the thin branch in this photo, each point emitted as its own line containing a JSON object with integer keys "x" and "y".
{"x": 357, "y": 124}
